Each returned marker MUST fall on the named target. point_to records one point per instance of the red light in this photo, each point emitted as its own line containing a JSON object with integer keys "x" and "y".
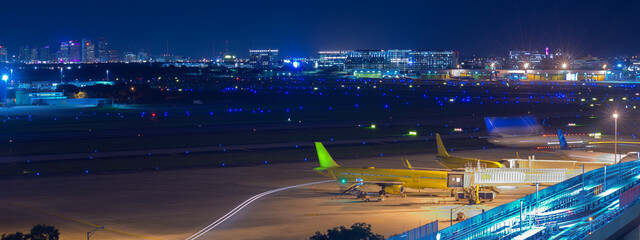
{"x": 153, "y": 114}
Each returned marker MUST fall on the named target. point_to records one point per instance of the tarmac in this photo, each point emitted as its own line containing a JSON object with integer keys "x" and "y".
{"x": 175, "y": 204}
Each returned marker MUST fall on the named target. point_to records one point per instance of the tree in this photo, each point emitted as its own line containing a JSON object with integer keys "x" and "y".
{"x": 68, "y": 89}
{"x": 358, "y": 231}
{"x": 14, "y": 236}
{"x": 44, "y": 232}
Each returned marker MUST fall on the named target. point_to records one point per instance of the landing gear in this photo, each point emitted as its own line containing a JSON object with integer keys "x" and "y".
{"x": 382, "y": 192}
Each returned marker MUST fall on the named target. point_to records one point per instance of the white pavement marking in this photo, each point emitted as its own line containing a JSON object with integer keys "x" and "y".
{"x": 243, "y": 205}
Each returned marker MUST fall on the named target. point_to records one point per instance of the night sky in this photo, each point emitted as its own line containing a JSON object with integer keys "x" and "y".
{"x": 300, "y": 28}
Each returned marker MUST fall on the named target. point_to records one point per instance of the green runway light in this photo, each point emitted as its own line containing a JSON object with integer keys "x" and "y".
{"x": 373, "y": 126}
{"x": 343, "y": 180}
{"x": 413, "y": 133}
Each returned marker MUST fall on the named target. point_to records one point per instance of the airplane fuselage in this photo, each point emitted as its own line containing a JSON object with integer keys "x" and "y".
{"x": 416, "y": 179}
{"x": 460, "y": 162}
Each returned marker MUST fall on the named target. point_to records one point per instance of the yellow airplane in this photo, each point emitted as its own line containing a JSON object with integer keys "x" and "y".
{"x": 448, "y": 161}
{"x": 391, "y": 180}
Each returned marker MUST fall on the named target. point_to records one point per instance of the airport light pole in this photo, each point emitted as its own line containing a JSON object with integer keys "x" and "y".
{"x": 604, "y": 180}
{"x": 615, "y": 140}
{"x": 520, "y": 216}
{"x": 90, "y": 233}
{"x": 537, "y": 197}
{"x": 451, "y": 217}
{"x": 5, "y": 79}
{"x": 582, "y": 177}
{"x": 107, "y": 74}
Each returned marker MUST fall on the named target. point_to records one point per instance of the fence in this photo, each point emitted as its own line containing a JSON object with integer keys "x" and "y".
{"x": 424, "y": 232}
{"x": 503, "y": 220}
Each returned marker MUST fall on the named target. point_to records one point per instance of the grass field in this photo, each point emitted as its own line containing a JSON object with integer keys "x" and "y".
{"x": 230, "y": 158}
{"x": 295, "y": 111}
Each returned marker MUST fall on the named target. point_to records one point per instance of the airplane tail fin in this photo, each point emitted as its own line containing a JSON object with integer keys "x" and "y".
{"x": 563, "y": 140}
{"x": 441, "y": 150}
{"x": 326, "y": 161}
{"x": 407, "y": 164}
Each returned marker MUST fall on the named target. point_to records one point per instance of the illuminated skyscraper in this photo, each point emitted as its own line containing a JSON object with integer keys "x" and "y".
{"x": 74, "y": 52}
{"x": 103, "y": 50}
{"x": 64, "y": 52}
{"x": 88, "y": 50}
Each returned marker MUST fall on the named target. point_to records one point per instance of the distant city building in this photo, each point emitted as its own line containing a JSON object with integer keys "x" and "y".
{"x": 518, "y": 59}
{"x": 88, "y": 50}
{"x": 142, "y": 57}
{"x": 129, "y": 57}
{"x": 434, "y": 59}
{"x": 332, "y": 59}
{"x": 45, "y": 54}
{"x": 401, "y": 60}
{"x": 3, "y": 54}
{"x": 478, "y": 62}
{"x": 34, "y": 54}
{"x": 103, "y": 50}
{"x": 166, "y": 58}
{"x": 263, "y": 58}
{"x": 229, "y": 58}
{"x": 366, "y": 59}
{"x": 75, "y": 52}
{"x": 64, "y": 52}
{"x": 113, "y": 56}
{"x": 584, "y": 63}
{"x": 24, "y": 54}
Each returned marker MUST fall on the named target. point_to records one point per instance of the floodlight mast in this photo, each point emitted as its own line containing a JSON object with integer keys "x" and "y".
{"x": 615, "y": 140}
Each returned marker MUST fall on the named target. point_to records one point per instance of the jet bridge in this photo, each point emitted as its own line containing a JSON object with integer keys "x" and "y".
{"x": 486, "y": 177}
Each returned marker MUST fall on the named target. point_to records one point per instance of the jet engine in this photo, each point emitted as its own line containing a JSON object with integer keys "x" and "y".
{"x": 394, "y": 189}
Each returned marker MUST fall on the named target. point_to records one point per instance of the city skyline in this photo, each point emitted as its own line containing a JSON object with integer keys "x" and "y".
{"x": 99, "y": 50}
{"x": 301, "y": 29}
